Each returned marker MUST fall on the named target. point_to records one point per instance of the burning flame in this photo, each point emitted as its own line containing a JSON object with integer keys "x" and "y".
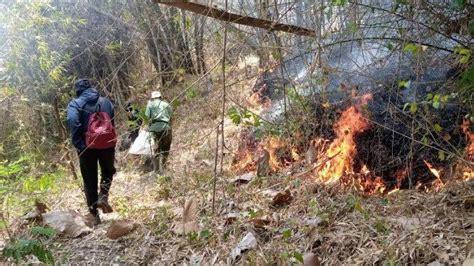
{"x": 365, "y": 170}
{"x": 468, "y": 173}
{"x": 469, "y": 137}
{"x": 333, "y": 162}
{"x": 244, "y": 160}
{"x": 339, "y": 157}
{"x": 245, "y": 163}
{"x": 295, "y": 155}
{"x": 400, "y": 175}
{"x": 433, "y": 170}
{"x": 438, "y": 183}
{"x": 343, "y": 149}
{"x": 273, "y": 145}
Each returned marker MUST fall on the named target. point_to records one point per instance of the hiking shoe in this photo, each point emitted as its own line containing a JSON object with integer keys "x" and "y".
{"x": 103, "y": 203}
{"x": 92, "y": 220}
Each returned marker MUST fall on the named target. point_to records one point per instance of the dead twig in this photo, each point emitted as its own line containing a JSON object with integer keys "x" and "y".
{"x": 317, "y": 165}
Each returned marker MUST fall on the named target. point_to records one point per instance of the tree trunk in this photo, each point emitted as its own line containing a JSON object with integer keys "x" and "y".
{"x": 199, "y": 23}
{"x": 188, "y": 61}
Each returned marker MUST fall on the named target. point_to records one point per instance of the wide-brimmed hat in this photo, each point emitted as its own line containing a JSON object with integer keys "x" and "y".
{"x": 155, "y": 94}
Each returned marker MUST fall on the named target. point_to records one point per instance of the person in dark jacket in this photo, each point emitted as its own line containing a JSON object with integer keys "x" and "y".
{"x": 134, "y": 121}
{"x": 79, "y": 110}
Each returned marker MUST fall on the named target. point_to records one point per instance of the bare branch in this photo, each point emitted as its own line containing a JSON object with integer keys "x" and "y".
{"x": 220, "y": 14}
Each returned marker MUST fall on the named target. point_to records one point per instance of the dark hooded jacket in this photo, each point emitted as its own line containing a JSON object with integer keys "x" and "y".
{"x": 80, "y": 109}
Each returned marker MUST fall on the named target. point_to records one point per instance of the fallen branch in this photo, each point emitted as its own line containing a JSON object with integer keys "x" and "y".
{"x": 224, "y": 15}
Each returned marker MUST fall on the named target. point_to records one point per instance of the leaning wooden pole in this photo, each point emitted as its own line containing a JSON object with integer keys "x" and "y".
{"x": 201, "y": 8}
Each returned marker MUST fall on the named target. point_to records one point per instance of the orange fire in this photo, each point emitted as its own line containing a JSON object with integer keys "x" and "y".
{"x": 338, "y": 159}
{"x": 273, "y": 145}
{"x": 400, "y": 175}
{"x": 438, "y": 183}
{"x": 334, "y": 162}
{"x": 469, "y": 137}
{"x": 468, "y": 173}
{"x": 433, "y": 170}
{"x": 244, "y": 162}
{"x": 343, "y": 149}
{"x": 369, "y": 185}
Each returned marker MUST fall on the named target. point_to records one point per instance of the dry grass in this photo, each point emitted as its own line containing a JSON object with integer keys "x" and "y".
{"x": 341, "y": 228}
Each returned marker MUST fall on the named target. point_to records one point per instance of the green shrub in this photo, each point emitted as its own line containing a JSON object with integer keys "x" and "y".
{"x": 45, "y": 232}
{"x": 13, "y": 169}
{"x": 43, "y": 183}
{"x": 20, "y": 249}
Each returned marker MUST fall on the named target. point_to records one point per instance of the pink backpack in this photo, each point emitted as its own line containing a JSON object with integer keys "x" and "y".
{"x": 100, "y": 132}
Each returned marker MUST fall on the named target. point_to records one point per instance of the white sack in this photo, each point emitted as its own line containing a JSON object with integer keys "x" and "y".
{"x": 143, "y": 144}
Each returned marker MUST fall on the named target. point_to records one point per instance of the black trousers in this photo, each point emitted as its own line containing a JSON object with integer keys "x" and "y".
{"x": 162, "y": 147}
{"x": 88, "y": 162}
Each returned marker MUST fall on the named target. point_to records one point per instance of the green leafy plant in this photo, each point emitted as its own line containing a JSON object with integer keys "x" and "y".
{"x": 205, "y": 234}
{"x": 413, "y": 107}
{"x": 465, "y": 55}
{"x": 301, "y": 102}
{"x": 441, "y": 155}
{"x": 298, "y": 256}
{"x": 163, "y": 221}
{"x": 45, "y": 232}
{"x": 355, "y": 204}
{"x": 276, "y": 54}
{"x": 458, "y": 4}
{"x": 193, "y": 236}
{"x": 412, "y": 48}
{"x": 176, "y": 103}
{"x": 287, "y": 234}
{"x": 122, "y": 207}
{"x": 43, "y": 183}
{"x": 404, "y": 84}
{"x": 339, "y": 2}
{"x": 192, "y": 93}
{"x": 466, "y": 85}
{"x": 313, "y": 207}
{"x": 13, "y": 169}
{"x": 437, "y": 128}
{"x": 142, "y": 116}
{"x": 20, "y": 249}
{"x": 164, "y": 186}
{"x": 244, "y": 117}
{"x": 292, "y": 257}
{"x": 437, "y": 101}
{"x": 234, "y": 115}
{"x": 381, "y": 227}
